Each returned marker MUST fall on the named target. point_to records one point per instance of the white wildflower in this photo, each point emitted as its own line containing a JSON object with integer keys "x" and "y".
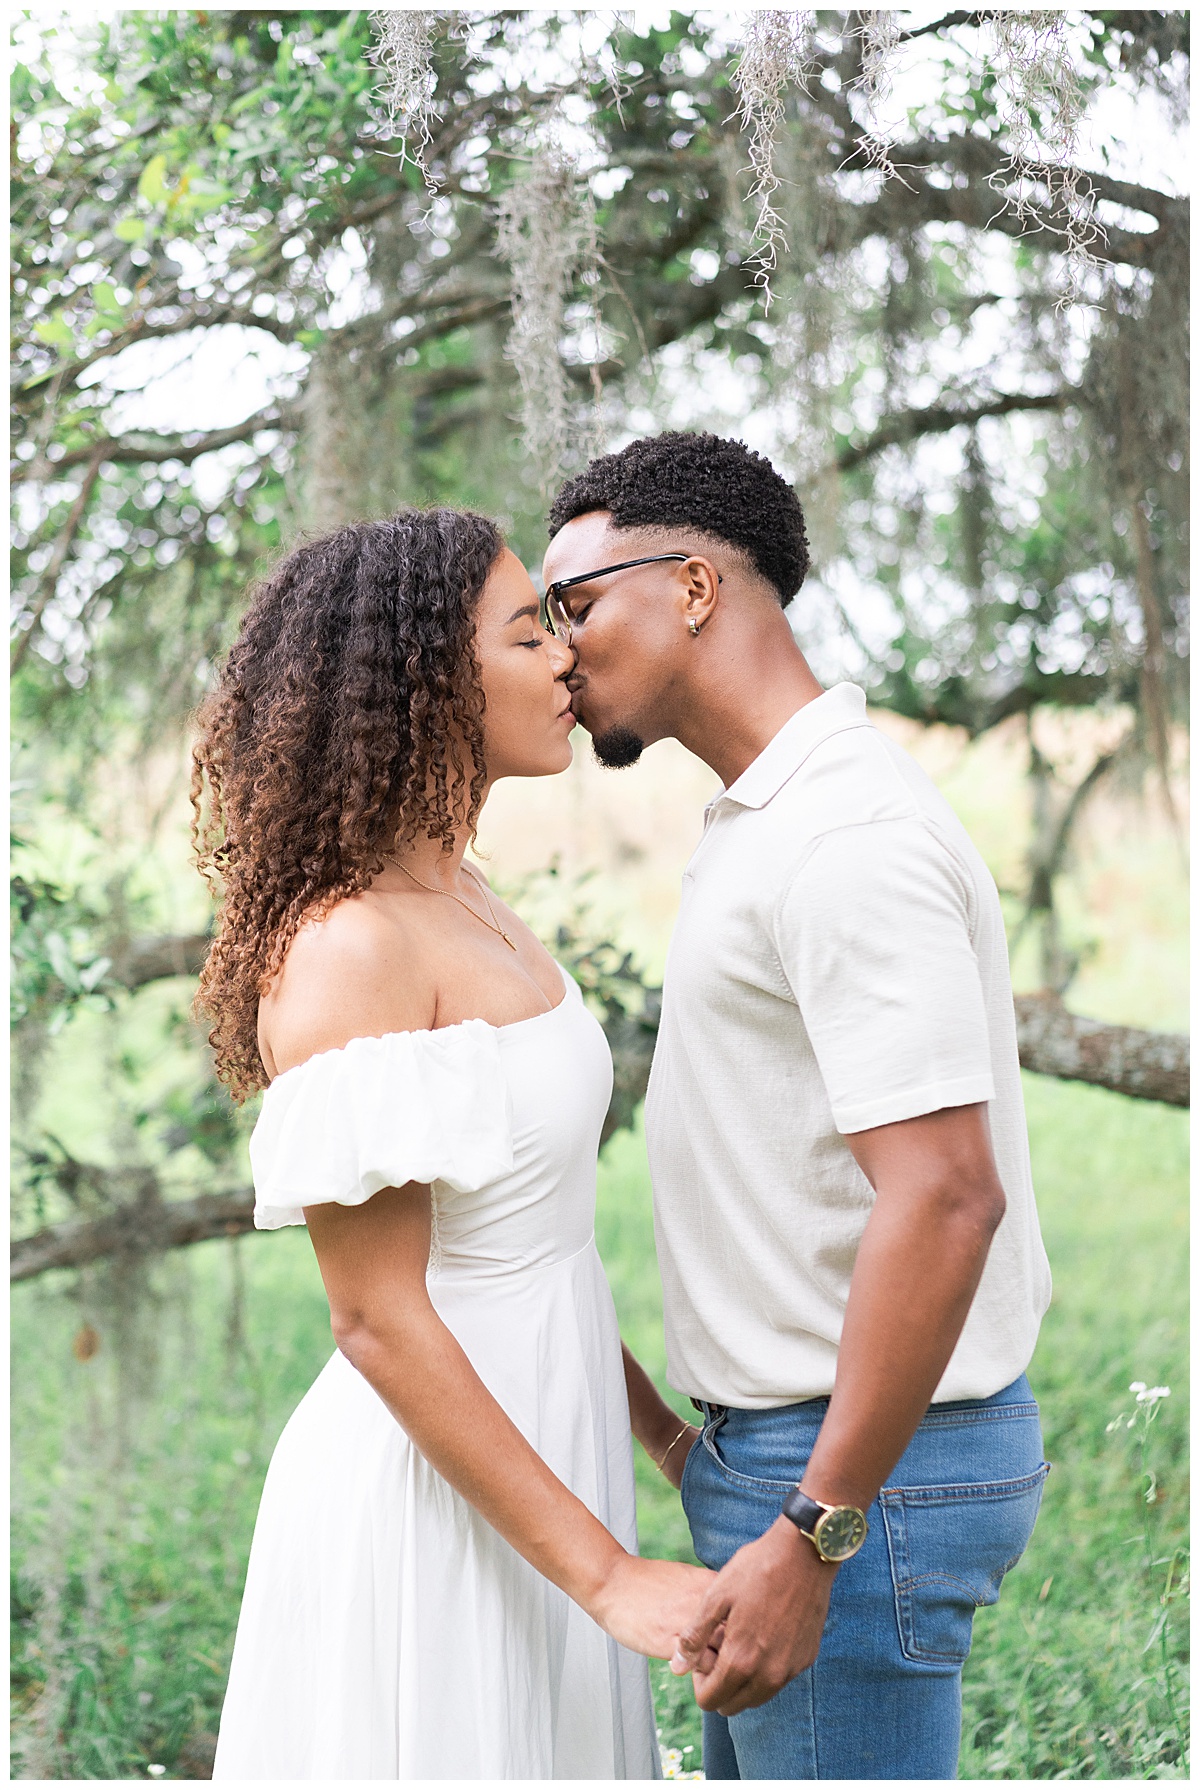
{"x": 672, "y": 1761}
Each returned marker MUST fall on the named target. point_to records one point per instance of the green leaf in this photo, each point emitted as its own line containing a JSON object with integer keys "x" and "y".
{"x": 153, "y": 186}
{"x": 194, "y": 199}
{"x": 59, "y": 958}
{"x": 130, "y": 230}
{"x": 94, "y": 973}
{"x": 55, "y": 331}
{"x": 104, "y": 296}
{"x": 254, "y": 98}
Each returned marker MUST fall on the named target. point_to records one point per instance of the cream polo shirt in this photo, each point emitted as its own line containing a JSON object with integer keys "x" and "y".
{"x": 839, "y": 963}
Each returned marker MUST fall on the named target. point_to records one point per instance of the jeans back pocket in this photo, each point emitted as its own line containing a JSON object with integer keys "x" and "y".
{"x": 950, "y": 1546}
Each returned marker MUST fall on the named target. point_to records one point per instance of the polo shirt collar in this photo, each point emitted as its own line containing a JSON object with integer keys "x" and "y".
{"x": 845, "y": 705}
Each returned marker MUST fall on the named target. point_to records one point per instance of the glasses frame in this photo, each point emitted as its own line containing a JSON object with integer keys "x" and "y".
{"x": 559, "y": 623}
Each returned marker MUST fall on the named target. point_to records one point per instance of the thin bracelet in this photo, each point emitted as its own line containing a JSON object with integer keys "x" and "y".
{"x": 659, "y": 1463}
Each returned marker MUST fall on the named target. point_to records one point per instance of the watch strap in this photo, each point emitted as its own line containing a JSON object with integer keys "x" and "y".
{"x": 802, "y": 1510}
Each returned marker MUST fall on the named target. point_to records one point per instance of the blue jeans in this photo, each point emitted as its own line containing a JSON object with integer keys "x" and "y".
{"x": 884, "y": 1698}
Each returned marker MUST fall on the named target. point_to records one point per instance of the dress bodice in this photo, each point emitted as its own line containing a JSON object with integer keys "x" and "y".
{"x": 502, "y": 1122}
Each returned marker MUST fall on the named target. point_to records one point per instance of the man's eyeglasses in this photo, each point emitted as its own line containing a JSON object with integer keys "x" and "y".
{"x": 558, "y": 620}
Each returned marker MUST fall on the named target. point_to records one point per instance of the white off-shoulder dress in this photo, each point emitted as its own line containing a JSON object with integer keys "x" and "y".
{"x": 387, "y": 1630}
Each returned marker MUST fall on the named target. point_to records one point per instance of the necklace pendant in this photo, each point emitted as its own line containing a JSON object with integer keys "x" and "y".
{"x": 508, "y": 941}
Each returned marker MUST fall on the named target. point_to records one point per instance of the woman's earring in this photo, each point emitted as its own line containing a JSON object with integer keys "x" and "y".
{"x": 693, "y": 626}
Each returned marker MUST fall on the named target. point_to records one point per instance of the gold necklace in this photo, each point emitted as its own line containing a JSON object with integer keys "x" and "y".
{"x": 491, "y": 923}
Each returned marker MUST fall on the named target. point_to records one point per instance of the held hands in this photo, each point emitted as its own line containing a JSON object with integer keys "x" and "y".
{"x": 646, "y": 1604}
{"x": 758, "y": 1623}
{"x": 742, "y": 1633}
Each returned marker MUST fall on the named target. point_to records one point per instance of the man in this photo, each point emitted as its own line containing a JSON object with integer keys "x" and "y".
{"x": 853, "y": 1275}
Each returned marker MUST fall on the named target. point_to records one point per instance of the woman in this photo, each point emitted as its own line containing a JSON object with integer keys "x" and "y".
{"x": 443, "y": 1580}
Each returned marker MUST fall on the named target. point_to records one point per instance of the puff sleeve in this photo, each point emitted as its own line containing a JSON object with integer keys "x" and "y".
{"x": 411, "y": 1106}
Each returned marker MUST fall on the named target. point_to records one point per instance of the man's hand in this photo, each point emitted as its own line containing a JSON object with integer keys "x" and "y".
{"x": 765, "y": 1611}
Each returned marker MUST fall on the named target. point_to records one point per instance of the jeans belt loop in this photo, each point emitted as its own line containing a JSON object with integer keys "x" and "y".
{"x": 711, "y": 1413}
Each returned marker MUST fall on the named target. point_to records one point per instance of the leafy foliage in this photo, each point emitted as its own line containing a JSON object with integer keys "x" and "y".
{"x": 997, "y": 485}
{"x": 227, "y": 172}
{"x": 55, "y": 961}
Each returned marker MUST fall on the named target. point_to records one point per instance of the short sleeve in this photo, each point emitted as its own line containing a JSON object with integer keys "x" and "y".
{"x": 411, "y": 1106}
{"x": 874, "y": 936}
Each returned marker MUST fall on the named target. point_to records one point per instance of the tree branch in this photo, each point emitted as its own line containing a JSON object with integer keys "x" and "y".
{"x": 936, "y": 419}
{"x": 1051, "y": 1041}
{"x": 152, "y": 959}
{"x": 1079, "y": 796}
{"x": 957, "y": 702}
{"x": 909, "y": 204}
{"x": 141, "y": 1227}
{"x": 947, "y": 23}
{"x": 134, "y": 449}
{"x": 1125, "y": 1059}
{"x": 202, "y": 316}
{"x": 263, "y": 259}
{"x": 50, "y": 577}
{"x": 476, "y": 310}
{"x": 978, "y": 157}
{"x": 1144, "y": 1065}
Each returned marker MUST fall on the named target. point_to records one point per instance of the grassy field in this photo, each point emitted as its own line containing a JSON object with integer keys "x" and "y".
{"x": 137, "y": 1468}
{"x": 135, "y": 1494}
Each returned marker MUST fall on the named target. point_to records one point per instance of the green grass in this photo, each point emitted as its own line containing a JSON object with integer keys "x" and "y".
{"x": 128, "y": 1555}
{"x": 1066, "y": 1679}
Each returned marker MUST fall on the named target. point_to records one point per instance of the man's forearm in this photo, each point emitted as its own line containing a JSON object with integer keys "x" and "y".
{"x": 918, "y": 1267}
{"x": 938, "y": 1201}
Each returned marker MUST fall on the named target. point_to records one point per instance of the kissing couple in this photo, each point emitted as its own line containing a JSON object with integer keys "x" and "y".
{"x": 444, "y": 1580}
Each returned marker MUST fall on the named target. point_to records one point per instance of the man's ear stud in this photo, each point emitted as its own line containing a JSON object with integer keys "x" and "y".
{"x": 693, "y": 626}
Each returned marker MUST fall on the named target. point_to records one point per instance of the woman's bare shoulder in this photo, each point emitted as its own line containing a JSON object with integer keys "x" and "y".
{"x": 356, "y": 971}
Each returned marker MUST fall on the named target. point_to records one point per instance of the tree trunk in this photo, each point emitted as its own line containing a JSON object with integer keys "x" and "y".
{"x": 1143, "y": 1065}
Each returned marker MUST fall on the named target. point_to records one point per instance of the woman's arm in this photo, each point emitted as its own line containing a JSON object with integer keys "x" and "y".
{"x": 657, "y": 1427}
{"x": 372, "y": 1260}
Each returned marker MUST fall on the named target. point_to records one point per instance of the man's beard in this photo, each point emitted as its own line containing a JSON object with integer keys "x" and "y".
{"x": 617, "y": 748}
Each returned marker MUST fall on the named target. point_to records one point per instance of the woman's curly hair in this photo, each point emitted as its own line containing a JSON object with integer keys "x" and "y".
{"x": 348, "y": 719}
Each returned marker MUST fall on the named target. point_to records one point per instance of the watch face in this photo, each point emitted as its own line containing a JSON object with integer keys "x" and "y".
{"x": 841, "y": 1532}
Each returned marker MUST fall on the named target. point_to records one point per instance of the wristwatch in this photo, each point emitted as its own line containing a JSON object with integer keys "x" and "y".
{"x": 837, "y": 1531}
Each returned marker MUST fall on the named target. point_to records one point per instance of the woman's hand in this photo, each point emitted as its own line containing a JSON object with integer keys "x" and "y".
{"x": 674, "y": 1457}
{"x": 647, "y": 1604}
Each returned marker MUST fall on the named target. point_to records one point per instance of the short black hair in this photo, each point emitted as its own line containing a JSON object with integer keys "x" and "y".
{"x": 697, "y": 481}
